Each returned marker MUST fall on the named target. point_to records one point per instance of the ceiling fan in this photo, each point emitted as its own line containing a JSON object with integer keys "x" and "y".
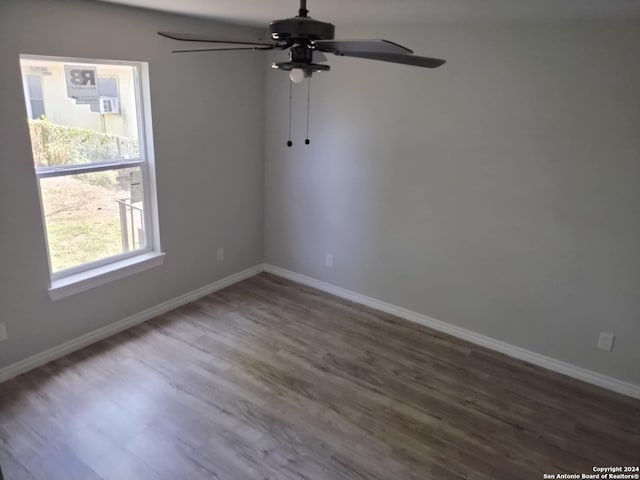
{"x": 307, "y": 38}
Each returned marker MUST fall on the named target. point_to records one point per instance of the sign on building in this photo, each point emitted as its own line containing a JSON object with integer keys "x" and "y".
{"x": 82, "y": 84}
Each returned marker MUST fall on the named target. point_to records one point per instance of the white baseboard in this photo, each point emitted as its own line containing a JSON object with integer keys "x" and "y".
{"x": 549, "y": 363}
{"x": 47, "y": 356}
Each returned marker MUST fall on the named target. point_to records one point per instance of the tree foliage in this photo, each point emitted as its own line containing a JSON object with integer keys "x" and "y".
{"x": 61, "y": 145}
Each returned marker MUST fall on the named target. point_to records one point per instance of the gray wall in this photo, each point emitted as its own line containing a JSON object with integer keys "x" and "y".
{"x": 208, "y": 126}
{"x": 500, "y": 193}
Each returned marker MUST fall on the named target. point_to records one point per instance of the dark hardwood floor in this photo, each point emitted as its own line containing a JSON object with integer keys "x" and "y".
{"x": 268, "y": 379}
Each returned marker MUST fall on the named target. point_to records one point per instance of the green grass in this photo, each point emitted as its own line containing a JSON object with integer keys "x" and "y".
{"x": 82, "y": 218}
{"x": 73, "y": 243}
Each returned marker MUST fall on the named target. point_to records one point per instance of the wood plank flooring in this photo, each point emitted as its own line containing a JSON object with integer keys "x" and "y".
{"x": 268, "y": 379}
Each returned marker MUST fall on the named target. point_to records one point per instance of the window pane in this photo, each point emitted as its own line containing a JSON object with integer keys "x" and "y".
{"x": 34, "y": 86}
{"x": 92, "y": 216}
{"x": 37, "y": 108}
{"x": 81, "y": 112}
{"x": 34, "y": 83}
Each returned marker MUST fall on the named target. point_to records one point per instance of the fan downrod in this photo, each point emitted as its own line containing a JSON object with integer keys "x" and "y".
{"x": 303, "y": 12}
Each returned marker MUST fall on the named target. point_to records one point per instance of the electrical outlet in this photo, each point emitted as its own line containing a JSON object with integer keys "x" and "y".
{"x": 328, "y": 260}
{"x": 220, "y": 254}
{"x": 3, "y": 331}
{"x": 605, "y": 341}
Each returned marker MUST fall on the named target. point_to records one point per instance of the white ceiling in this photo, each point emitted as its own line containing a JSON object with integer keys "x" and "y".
{"x": 347, "y": 12}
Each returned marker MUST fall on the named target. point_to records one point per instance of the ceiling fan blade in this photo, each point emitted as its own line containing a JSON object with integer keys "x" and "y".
{"x": 371, "y": 46}
{"x": 406, "y": 59}
{"x": 221, "y": 49}
{"x": 189, "y": 37}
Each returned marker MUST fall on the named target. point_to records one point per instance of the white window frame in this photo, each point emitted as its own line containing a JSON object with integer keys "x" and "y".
{"x": 89, "y": 275}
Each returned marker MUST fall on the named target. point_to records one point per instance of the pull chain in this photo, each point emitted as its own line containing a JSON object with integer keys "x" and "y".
{"x": 307, "y": 141}
{"x": 290, "y": 143}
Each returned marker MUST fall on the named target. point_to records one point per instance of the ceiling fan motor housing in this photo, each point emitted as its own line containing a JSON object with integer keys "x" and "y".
{"x": 300, "y": 32}
{"x": 301, "y": 29}
{"x": 301, "y": 57}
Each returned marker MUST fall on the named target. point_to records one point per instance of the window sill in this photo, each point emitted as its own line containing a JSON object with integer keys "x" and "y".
{"x": 81, "y": 282}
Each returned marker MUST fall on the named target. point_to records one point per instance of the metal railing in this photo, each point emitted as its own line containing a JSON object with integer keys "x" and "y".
{"x": 131, "y": 225}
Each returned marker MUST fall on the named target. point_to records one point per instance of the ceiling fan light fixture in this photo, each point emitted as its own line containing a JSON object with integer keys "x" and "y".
{"x": 298, "y": 75}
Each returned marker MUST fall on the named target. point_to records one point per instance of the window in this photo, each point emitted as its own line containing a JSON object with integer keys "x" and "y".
{"x": 90, "y": 128}
{"x": 109, "y": 96}
{"x": 36, "y": 102}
